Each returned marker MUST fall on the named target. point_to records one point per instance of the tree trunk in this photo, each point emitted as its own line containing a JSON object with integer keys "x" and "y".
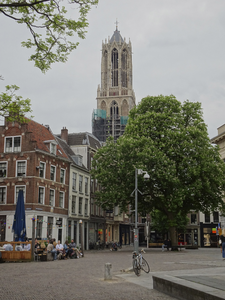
{"x": 173, "y": 236}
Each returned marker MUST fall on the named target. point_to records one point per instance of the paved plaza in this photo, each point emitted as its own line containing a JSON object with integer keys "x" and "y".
{"x": 84, "y": 278}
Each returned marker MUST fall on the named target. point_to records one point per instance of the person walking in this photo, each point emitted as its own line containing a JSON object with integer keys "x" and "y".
{"x": 164, "y": 245}
{"x": 222, "y": 238}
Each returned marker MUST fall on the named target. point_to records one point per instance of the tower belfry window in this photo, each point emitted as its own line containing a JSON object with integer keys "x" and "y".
{"x": 124, "y": 68}
{"x": 124, "y": 108}
{"x": 105, "y": 67}
{"x": 114, "y": 110}
{"x": 103, "y": 105}
{"x": 115, "y": 67}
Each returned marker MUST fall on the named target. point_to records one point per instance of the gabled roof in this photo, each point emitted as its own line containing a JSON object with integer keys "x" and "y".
{"x": 116, "y": 37}
{"x": 43, "y": 135}
{"x": 83, "y": 138}
{"x": 66, "y": 148}
{"x": 68, "y": 151}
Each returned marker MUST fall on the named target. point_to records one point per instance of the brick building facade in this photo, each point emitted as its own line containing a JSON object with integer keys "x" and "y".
{"x": 32, "y": 160}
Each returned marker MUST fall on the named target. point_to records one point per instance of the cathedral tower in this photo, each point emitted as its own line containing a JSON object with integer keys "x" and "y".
{"x": 115, "y": 97}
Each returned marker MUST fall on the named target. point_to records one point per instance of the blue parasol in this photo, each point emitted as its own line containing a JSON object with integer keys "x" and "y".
{"x": 19, "y": 224}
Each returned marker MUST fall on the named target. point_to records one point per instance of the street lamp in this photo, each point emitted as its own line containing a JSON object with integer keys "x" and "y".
{"x": 81, "y": 237}
{"x": 136, "y": 233}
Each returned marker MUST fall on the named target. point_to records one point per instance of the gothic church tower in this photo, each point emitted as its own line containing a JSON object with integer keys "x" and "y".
{"x": 115, "y": 97}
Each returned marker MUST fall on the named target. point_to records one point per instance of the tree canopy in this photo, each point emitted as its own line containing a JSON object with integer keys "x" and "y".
{"x": 12, "y": 106}
{"x": 50, "y": 28}
{"x": 169, "y": 140}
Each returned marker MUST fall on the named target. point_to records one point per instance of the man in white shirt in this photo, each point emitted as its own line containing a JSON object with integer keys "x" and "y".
{"x": 59, "y": 248}
{"x": 26, "y": 247}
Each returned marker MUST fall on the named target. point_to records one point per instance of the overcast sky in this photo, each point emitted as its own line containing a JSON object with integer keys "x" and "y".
{"x": 178, "y": 48}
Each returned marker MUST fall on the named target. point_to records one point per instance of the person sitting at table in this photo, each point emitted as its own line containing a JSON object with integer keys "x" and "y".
{"x": 18, "y": 247}
{"x": 72, "y": 244}
{"x": 8, "y": 247}
{"x": 54, "y": 243}
{"x": 51, "y": 249}
{"x": 68, "y": 249}
{"x": 59, "y": 248}
{"x": 36, "y": 244}
{"x": 26, "y": 247}
{"x": 50, "y": 246}
{"x": 54, "y": 251}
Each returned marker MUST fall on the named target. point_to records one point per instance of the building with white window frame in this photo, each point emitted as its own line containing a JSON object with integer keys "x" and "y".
{"x": 85, "y": 145}
{"x": 79, "y": 198}
{"x": 32, "y": 160}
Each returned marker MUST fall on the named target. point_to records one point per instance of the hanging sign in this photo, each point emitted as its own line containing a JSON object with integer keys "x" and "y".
{"x": 213, "y": 230}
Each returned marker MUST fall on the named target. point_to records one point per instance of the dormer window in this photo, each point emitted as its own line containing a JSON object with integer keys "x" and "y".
{"x": 53, "y": 148}
{"x": 13, "y": 144}
{"x": 78, "y": 159}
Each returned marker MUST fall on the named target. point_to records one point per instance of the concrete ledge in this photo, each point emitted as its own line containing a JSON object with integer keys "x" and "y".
{"x": 184, "y": 289}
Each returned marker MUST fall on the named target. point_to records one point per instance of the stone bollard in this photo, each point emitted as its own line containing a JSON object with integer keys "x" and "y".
{"x": 108, "y": 273}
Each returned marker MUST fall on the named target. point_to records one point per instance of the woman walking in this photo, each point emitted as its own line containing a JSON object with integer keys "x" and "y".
{"x": 222, "y": 238}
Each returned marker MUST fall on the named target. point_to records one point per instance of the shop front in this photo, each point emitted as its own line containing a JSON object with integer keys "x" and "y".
{"x": 125, "y": 234}
{"x": 96, "y": 232}
{"x": 189, "y": 237}
{"x": 209, "y": 236}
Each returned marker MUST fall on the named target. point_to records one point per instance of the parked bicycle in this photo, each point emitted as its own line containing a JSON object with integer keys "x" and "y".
{"x": 139, "y": 263}
{"x": 115, "y": 246}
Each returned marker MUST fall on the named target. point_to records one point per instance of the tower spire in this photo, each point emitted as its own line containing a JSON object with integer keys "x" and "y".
{"x": 116, "y": 24}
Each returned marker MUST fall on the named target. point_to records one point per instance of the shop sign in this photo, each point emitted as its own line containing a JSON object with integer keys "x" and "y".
{"x": 213, "y": 230}
{"x": 59, "y": 222}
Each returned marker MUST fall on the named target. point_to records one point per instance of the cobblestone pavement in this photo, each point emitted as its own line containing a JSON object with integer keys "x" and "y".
{"x": 84, "y": 278}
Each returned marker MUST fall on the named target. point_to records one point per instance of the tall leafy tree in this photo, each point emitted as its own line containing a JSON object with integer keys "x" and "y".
{"x": 169, "y": 140}
{"x": 12, "y": 106}
{"x": 51, "y": 32}
{"x": 50, "y": 27}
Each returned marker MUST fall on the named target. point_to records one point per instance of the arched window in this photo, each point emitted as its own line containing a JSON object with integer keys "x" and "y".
{"x": 103, "y": 105}
{"x": 114, "y": 110}
{"x": 124, "y": 108}
{"x": 124, "y": 68}
{"x": 114, "y": 64}
{"x": 104, "y": 69}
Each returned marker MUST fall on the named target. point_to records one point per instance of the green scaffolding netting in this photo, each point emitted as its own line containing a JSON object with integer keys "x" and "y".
{"x": 99, "y": 113}
{"x": 123, "y": 120}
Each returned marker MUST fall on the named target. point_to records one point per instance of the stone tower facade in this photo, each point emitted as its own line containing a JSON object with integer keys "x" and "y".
{"x": 115, "y": 96}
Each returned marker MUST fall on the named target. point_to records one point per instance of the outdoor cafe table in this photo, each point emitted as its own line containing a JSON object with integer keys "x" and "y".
{"x": 16, "y": 255}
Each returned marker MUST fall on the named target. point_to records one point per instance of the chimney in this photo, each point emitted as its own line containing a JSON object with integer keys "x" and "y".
{"x": 64, "y": 134}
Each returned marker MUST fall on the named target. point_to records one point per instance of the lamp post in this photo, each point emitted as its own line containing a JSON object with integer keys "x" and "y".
{"x": 33, "y": 236}
{"x": 81, "y": 237}
{"x": 136, "y": 231}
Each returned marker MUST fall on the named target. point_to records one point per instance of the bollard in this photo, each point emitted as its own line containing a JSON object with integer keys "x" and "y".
{"x": 108, "y": 273}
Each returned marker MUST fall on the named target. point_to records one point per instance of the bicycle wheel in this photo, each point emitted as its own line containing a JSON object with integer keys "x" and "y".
{"x": 136, "y": 268}
{"x": 119, "y": 246}
{"x": 145, "y": 266}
